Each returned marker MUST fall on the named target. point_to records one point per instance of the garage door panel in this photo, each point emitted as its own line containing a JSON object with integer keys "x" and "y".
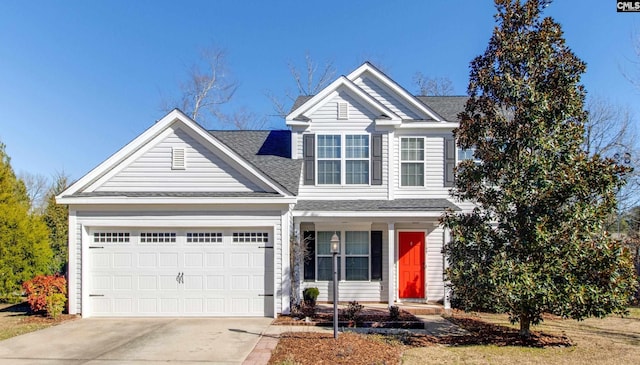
{"x": 148, "y": 260}
{"x": 215, "y": 260}
{"x": 123, "y": 282}
{"x": 239, "y": 260}
{"x": 193, "y": 282}
{"x": 168, "y": 282}
{"x": 179, "y": 278}
{"x": 122, "y": 260}
{"x": 168, "y": 260}
{"x": 194, "y": 260}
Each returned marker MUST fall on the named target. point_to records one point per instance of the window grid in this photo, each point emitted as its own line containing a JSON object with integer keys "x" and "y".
{"x": 250, "y": 237}
{"x": 357, "y": 255}
{"x": 204, "y": 237}
{"x": 329, "y": 159}
{"x": 357, "y": 159}
{"x": 412, "y": 161}
{"x": 111, "y": 237}
{"x": 157, "y": 237}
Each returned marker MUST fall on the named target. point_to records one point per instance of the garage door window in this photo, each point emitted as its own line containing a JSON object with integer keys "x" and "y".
{"x": 111, "y": 237}
{"x": 204, "y": 237}
{"x": 250, "y": 237}
{"x": 158, "y": 237}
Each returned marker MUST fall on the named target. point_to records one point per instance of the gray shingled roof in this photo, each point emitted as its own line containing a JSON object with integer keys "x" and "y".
{"x": 268, "y": 151}
{"x": 447, "y": 107}
{"x": 430, "y": 205}
{"x": 299, "y": 101}
{"x": 176, "y": 194}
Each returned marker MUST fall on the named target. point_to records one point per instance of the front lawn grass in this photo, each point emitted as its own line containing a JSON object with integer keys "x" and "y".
{"x": 612, "y": 340}
{"x": 16, "y": 320}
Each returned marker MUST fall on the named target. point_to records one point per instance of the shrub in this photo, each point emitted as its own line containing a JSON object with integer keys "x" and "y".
{"x": 394, "y": 312}
{"x": 310, "y": 295}
{"x": 352, "y": 312}
{"x": 46, "y": 293}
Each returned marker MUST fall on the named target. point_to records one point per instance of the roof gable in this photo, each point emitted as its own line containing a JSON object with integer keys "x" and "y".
{"x": 368, "y": 75}
{"x": 168, "y": 125}
{"x": 379, "y": 93}
{"x": 301, "y": 114}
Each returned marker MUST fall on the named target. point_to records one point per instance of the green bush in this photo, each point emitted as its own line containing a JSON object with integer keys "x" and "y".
{"x": 310, "y": 295}
{"x": 352, "y": 312}
{"x": 55, "y": 304}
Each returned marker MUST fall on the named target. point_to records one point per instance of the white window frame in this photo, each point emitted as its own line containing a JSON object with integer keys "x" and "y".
{"x": 423, "y": 162}
{"x": 460, "y": 151}
{"x": 343, "y": 158}
{"x": 111, "y": 237}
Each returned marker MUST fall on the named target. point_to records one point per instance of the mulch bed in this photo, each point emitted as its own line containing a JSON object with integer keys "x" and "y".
{"x": 353, "y": 348}
{"x": 349, "y": 348}
{"x": 369, "y": 317}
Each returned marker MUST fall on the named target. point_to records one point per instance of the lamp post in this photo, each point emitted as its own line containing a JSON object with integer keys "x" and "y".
{"x": 335, "y": 248}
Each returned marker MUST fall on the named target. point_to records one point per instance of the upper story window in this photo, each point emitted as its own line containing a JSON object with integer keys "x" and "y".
{"x": 412, "y": 161}
{"x": 343, "y": 159}
{"x": 465, "y": 154}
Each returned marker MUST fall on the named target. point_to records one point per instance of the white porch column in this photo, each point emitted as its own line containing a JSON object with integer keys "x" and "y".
{"x": 445, "y": 265}
{"x": 391, "y": 257}
{"x": 285, "y": 271}
{"x": 298, "y": 266}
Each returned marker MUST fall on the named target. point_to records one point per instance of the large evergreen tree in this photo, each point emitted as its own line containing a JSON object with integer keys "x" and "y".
{"x": 536, "y": 243}
{"x": 24, "y": 241}
{"x": 56, "y": 217}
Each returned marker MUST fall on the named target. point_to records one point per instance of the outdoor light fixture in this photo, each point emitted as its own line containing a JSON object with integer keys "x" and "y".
{"x": 335, "y": 248}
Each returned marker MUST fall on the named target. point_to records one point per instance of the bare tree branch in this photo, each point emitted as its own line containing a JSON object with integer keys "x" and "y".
{"x": 37, "y": 187}
{"x": 209, "y": 84}
{"x": 315, "y": 77}
{"x": 438, "y": 86}
{"x": 609, "y": 132}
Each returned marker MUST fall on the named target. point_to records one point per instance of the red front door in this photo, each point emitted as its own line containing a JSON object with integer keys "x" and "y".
{"x": 411, "y": 264}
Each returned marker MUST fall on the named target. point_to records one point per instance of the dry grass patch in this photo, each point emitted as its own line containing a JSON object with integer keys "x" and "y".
{"x": 612, "y": 340}
{"x": 15, "y": 320}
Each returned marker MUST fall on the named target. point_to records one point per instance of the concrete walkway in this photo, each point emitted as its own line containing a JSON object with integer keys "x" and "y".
{"x": 434, "y": 325}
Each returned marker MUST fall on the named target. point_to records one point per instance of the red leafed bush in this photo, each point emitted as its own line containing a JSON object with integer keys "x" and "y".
{"x": 46, "y": 293}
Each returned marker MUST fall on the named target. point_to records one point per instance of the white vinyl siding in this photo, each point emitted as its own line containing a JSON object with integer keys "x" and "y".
{"x": 387, "y": 98}
{"x": 356, "y": 111}
{"x": 153, "y": 170}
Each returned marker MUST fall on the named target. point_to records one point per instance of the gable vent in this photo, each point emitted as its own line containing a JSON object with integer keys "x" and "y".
{"x": 343, "y": 110}
{"x": 178, "y": 159}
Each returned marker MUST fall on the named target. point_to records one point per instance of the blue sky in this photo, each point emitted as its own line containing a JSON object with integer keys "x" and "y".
{"x": 80, "y": 79}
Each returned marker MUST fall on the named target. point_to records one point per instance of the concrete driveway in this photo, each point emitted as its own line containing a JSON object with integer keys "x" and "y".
{"x": 108, "y": 341}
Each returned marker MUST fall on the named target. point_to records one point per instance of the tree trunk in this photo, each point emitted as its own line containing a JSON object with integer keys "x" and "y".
{"x": 525, "y": 323}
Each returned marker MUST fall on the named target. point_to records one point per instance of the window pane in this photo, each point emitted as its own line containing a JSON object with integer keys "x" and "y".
{"x": 325, "y": 268}
{"x": 328, "y": 146}
{"x": 357, "y": 146}
{"x": 465, "y": 154}
{"x": 324, "y": 242}
{"x": 357, "y": 243}
{"x": 412, "y": 174}
{"x": 357, "y": 268}
{"x": 357, "y": 172}
{"x": 412, "y": 149}
{"x": 329, "y": 172}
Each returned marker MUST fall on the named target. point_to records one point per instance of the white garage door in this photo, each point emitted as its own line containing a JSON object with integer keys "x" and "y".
{"x": 187, "y": 272}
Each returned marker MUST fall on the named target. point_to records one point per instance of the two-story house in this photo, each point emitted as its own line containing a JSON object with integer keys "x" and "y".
{"x": 188, "y": 222}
